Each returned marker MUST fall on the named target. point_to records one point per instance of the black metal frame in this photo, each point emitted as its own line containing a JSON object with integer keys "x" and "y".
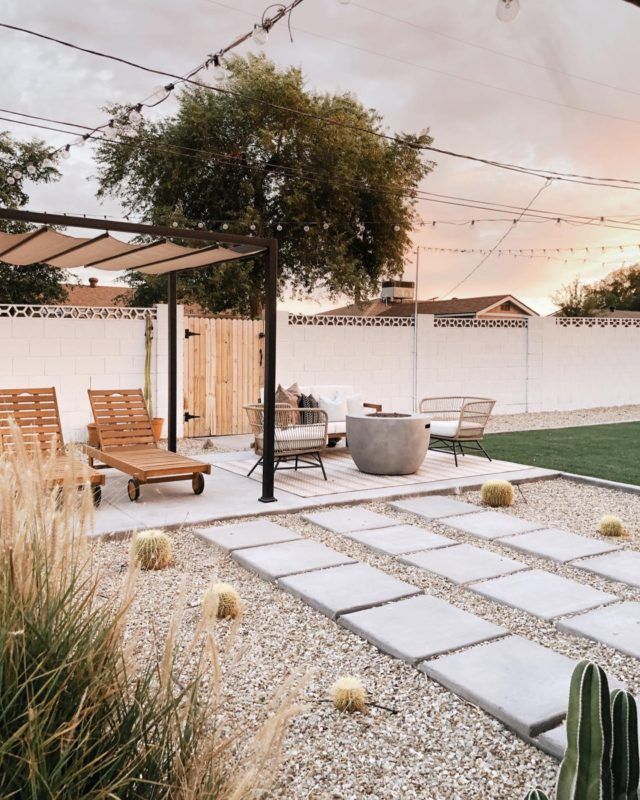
{"x": 298, "y": 460}
{"x": 449, "y": 446}
{"x": 271, "y": 296}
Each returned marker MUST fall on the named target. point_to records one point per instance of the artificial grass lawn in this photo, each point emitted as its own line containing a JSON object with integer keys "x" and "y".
{"x": 602, "y": 451}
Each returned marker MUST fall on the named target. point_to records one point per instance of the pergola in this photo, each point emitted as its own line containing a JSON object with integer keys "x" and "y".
{"x": 45, "y": 245}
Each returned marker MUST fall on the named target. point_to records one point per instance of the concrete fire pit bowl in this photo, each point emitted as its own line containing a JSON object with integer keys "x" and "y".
{"x": 388, "y": 444}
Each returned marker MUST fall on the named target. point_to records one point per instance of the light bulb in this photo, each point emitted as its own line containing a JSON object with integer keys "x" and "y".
{"x": 47, "y": 163}
{"x": 306, "y": 229}
{"x": 201, "y": 224}
{"x": 11, "y": 180}
{"x": 161, "y": 92}
{"x": 253, "y": 227}
{"x": 79, "y": 142}
{"x": 31, "y": 169}
{"x": 220, "y": 72}
{"x": 66, "y": 154}
{"x": 396, "y": 228}
{"x": 278, "y": 227}
{"x": 174, "y": 224}
{"x": 225, "y": 227}
{"x": 17, "y": 174}
{"x": 135, "y": 117}
{"x": 260, "y": 35}
{"x": 507, "y": 10}
{"x": 110, "y": 132}
{"x": 326, "y": 226}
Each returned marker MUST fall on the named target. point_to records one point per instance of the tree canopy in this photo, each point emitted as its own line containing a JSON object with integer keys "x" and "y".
{"x": 619, "y": 290}
{"x": 239, "y": 158}
{"x": 37, "y": 284}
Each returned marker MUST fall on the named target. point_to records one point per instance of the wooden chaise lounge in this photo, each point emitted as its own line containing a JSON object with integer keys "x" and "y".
{"x": 35, "y": 412}
{"x": 127, "y": 443}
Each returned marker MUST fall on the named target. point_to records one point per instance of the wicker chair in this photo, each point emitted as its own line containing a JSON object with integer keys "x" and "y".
{"x": 456, "y": 421}
{"x": 300, "y": 436}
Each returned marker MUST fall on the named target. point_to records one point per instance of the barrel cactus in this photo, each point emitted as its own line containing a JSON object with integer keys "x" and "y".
{"x": 224, "y": 598}
{"x": 611, "y": 525}
{"x": 625, "y": 764}
{"x": 497, "y": 493}
{"x": 348, "y": 694}
{"x": 152, "y": 549}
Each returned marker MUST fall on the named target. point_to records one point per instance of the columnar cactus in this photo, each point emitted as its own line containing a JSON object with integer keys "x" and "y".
{"x": 625, "y": 766}
{"x": 585, "y": 772}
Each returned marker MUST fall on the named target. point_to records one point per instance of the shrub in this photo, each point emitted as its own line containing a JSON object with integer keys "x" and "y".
{"x": 348, "y": 694}
{"x": 77, "y": 718}
{"x": 222, "y": 600}
{"x": 497, "y": 493}
{"x": 152, "y": 549}
{"x": 611, "y": 525}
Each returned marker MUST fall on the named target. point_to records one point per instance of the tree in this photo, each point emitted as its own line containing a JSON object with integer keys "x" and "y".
{"x": 37, "y": 284}
{"x": 619, "y": 289}
{"x": 573, "y": 300}
{"x": 240, "y": 158}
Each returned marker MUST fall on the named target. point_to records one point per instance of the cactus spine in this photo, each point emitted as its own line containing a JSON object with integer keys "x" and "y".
{"x": 585, "y": 772}
{"x": 624, "y": 760}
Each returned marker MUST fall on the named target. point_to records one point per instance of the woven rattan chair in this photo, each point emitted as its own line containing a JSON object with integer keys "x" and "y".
{"x": 457, "y": 421}
{"x": 300, "y": 436}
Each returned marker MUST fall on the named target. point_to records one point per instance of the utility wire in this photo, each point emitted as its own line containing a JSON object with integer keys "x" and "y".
{"x": 541, "y": 173}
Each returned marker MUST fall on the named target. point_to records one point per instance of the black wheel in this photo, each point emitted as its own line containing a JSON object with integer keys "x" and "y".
{"x": 332, "y": 442}
{"x": 96, "y": 491}
{"x": 197, "y": 483}
{"x": 133, "y": 489}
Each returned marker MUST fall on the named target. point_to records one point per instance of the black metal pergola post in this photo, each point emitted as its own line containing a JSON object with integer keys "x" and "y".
{"x": 271, "y": 293}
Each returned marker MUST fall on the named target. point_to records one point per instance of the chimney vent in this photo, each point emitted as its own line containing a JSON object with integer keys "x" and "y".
{"x": 93, "y": 282}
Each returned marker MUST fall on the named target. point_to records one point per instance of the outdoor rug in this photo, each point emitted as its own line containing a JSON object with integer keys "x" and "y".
{"x": 344, "y": 476}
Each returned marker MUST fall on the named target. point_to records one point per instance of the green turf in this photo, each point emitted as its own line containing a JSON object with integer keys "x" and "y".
{"x": 602, "y": 451}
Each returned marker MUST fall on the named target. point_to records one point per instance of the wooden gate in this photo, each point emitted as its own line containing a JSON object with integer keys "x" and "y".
{"x": 222, "y": 371}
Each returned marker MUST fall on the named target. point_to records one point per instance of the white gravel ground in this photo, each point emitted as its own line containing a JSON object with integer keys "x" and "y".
{"x": 436, "y": 746}
{"x": 501, "y": 423}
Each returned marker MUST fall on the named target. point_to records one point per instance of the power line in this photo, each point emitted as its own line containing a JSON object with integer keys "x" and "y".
{"x": 612, "y": 183}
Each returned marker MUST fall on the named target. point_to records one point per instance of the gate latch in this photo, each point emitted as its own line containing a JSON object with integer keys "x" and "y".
{"x": 188, "y": 416}
{"x": 188, "y": 334}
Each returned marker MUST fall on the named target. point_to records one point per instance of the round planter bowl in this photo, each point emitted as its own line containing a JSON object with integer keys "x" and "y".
{"x": 388, "y": 444}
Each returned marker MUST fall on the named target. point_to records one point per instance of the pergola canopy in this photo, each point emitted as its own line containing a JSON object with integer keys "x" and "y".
{"x": 46, "y": 246}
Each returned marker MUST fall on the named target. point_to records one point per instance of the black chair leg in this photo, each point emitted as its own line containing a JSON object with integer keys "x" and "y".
{"x": 483, "y": 450}
{"x": 324, "y": 474}
{"x": 455, "y": 453}
{"x": 257, "y": 464}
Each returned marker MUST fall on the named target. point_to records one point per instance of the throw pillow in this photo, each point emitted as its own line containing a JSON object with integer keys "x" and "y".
{"x": 294, "y": 389}
{"x": 355, "y": 404}
{"x": 308, "y": 401}
{"x": 336, "y": 409}
{"x": 285, "y": 396}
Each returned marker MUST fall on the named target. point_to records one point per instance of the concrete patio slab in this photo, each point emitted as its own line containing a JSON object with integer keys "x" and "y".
{"x": 400, "y": 539}
{"x": 622, "y": 566}
{"x": 558, "y": 545}
{"x": 419, "y": 628}
{"x": 346, "y": 520}
{"x": 341, "y": 590}
{"x": 520, "y": 682}
{"x": 464, "y": 563}
{"x": 246, "y": 534}
{"x": 489, "y": 524}
{"x": 542, "y": 594}
{"x": 277, "y": 560}
{"x": 434, "y": 506}
{"x": 617, "y": 626}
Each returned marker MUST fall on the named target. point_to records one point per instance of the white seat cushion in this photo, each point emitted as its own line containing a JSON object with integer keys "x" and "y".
{"x": 296, "y": 437}
{"x": 336, "y": 427}
{"x": 441, "y": 427}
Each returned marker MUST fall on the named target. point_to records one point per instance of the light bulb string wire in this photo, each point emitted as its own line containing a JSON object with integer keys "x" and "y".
{"x": 614, "y": 183}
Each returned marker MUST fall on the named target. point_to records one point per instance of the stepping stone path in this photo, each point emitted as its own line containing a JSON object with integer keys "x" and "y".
{"x": 542, "y": 594}
{"x": 434, "y": 506}
{"x": 617, "y": 626}
{"x": 464, "y": 563}
{"x": 489, "y": 524}
{"x": 345, "y": 520}
{"x": 400, "y": 539}
{"x": 247, "y": 534}
{"x": 521, "y": 683}
{"x": 558, "y": 545}
{"x": 420, "y": 627}
{"x": 277, "y": 560}
{"x": 345, "y": 589}
{"x": 623, "y": 566}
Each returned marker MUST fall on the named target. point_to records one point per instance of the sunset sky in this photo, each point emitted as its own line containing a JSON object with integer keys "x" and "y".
{"x": 448, "y": 66}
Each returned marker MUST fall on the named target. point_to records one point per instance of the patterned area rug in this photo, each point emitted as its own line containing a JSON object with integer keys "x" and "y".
{"x": 344, "y": 476}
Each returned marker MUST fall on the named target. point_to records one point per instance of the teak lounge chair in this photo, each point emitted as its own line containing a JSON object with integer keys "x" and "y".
{"x": 35, "y": 412}
{"x": 457, "y": 421}
{"x": 127, "y": 443}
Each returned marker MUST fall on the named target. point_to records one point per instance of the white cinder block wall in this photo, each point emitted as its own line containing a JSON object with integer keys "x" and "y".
{"x": 78, "y": 354}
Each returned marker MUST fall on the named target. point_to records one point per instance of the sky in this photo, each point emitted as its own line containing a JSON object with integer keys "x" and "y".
{"x": 558, "y": 88}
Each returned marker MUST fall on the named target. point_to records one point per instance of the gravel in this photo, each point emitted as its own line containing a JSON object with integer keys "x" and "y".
{"x": 436, "y": 745}
{"x": 502, "y": 423}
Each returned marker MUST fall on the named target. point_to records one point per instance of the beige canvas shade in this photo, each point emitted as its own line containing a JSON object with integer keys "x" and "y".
{"x": 45, "y": 246}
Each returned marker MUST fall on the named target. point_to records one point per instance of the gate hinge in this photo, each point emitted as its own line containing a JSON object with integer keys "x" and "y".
{"x": 188, "y": 416}
{"x": 188, "y": 334}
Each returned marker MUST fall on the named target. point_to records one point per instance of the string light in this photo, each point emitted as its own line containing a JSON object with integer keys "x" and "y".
{"x": 507, "y": 10}
{"x": 260, "y": 35}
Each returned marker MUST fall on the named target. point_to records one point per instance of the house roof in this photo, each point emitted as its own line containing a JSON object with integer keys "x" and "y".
{"x": 457, "y": 305}
{"x": 96, "y": 296}
{"x": 617, "y": 312}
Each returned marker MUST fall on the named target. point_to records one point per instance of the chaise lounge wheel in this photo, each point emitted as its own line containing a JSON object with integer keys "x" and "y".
{"x": 96, "y": 491}
{"x": 332, "y": 442}
{"x": 197, "y": 483}
{"x": 133, "y": 489}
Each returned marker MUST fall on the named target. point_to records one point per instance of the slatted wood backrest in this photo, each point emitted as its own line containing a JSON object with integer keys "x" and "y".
{"x": 35, "y": 412}
{"x": 121, "y": 417}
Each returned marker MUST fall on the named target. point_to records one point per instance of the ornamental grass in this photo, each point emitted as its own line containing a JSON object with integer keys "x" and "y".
{"x": 79, "y": 718}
